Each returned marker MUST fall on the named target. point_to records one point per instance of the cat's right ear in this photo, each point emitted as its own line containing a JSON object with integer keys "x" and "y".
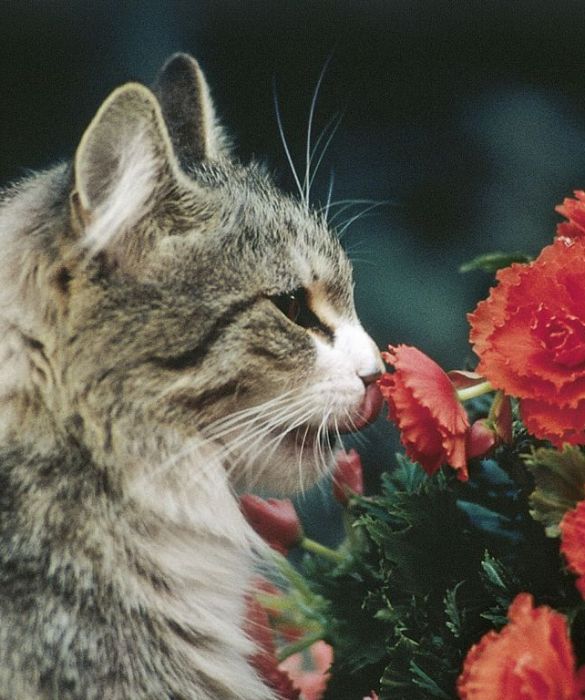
{"x": 123, "y": 165}
{"x": 189, "y": 111}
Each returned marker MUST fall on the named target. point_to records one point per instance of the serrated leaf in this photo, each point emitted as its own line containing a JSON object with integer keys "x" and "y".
{"x": 424, "y": 681}
{"x": 408, "y": 476}
{"x": 492, "y": 262}
{"x": 454, "y": 615}
{"x": 560, "y": 484}
{"x": 494, "y": 572}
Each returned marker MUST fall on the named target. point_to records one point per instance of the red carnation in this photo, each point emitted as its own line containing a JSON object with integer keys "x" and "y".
{"x": 423, "y": 403}
{"x": 530, "y": 337}
{"x": 573, "y": 542}
{"x": 274, "y": 519}
{"x": 530, "y": 658}
{"x": 574, "y": 211}
{"x": 348, "y": 476}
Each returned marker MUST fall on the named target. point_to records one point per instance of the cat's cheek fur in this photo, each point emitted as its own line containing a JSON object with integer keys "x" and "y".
{"x": 335, "y": 393}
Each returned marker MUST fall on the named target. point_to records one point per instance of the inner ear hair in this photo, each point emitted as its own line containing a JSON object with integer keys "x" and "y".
{"x": 188, "y": 110}
{"x": 123, "y": 160}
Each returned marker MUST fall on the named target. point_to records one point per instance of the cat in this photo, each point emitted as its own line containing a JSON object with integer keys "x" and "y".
{"x": 173, "y": 330}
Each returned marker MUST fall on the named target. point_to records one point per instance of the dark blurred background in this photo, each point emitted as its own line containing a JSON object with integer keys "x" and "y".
{"x": 466, "y": 118}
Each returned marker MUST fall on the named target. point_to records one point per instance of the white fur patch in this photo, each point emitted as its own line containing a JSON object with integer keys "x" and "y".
{"x": 128, "y": 199}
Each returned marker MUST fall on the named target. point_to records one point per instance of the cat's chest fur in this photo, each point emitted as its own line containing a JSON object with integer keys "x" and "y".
{"x": 121, "y": 600}
{"x": 173, "y": 329}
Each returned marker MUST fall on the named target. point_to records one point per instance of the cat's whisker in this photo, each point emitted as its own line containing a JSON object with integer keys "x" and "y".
{"x": 345, "y": 203}
{"x": 333, "y": 131}
{"x": 299, "y": 418}
{"x": 339, "y": 437}
{"x": 356, "y": 217}
{"x": 259, "y": 467}
{"x": 205, "y": 445}
{"x": 309, "y": 153}
{"x": 300, "y": 460}
{"x": 235, "y": 420}
{"x": 272, "y": 423}
{"x": 329, "y": 195}
{"x": 285, "y": 144}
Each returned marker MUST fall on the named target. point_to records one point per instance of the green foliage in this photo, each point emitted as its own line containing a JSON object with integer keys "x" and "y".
{"x": 492, "y": 262}
{"x": 436, "y": 565}
{"x": 560, "y": 483}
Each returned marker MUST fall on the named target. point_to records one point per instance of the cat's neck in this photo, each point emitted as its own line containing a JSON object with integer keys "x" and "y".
{"x": 172, "y": 548}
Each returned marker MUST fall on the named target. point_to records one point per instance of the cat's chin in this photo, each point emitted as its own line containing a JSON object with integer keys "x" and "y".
{"x": 303, "y": 457}
{"x": 285, "y": 462}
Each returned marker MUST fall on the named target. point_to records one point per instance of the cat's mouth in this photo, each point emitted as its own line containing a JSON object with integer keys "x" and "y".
{"x": 366, "y": 414}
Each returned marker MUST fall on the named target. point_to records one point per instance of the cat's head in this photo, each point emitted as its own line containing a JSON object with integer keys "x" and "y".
{"x": 183, "y": 295}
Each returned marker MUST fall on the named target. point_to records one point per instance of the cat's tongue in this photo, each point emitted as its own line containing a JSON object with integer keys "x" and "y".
{"x": 369, "y": 410}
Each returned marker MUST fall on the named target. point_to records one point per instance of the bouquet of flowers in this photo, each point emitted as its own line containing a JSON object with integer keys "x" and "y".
{"x": 465, "y": 577}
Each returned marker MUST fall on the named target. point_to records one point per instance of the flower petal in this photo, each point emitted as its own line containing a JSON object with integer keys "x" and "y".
{"x": 530, "y": 658}
{"x": 573, "y": 543}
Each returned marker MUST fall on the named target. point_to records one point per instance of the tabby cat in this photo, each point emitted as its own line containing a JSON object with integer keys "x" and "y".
{"x": 173, "y": 330}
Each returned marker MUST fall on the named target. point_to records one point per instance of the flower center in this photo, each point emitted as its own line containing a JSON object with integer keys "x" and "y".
{"x": 563, "y": 336}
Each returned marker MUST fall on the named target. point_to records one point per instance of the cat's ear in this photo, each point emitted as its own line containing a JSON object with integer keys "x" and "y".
{"x": 123, "y": 161}
{"x": 189, "y": 112}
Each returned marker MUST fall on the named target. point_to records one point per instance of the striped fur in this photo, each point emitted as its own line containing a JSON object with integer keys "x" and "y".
{"x": 147, "y": 373}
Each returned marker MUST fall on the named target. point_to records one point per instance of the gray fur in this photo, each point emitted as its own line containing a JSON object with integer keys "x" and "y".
{"x": 145, "y": 374}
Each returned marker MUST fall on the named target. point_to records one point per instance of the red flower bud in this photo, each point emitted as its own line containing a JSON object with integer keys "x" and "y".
{"x": 480, "y": 439}
{"x": 275, "y": 520}
{"x": 348, "y": 476}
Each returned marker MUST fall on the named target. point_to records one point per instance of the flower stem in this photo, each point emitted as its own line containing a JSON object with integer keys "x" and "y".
{"x": 303, "y": 643}
{"x": 472, "y": 392}
{"x": 321, "y": 549}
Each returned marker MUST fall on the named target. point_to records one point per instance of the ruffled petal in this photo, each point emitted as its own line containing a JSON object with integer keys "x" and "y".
{"x": 573, "y": 543}
{"x": 530, "y": 658}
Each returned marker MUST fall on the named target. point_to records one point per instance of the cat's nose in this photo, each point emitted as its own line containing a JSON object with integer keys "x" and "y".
{"x": 368, "y": 379}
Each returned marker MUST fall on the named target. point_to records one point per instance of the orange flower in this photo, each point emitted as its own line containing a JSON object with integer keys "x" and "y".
{"x": 530, "y": 658}
{"x": 574, "y": 211}
{"x": 573, "y": 542}
{"x": 423, "y": 403}
{"x": 530, "y": 338}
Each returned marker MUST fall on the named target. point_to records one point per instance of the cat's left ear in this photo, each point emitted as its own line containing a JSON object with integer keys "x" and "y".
{"x": 189, "y": 112}
{"x": 124, "y": 166}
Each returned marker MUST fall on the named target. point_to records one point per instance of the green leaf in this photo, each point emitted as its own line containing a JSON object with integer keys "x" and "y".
{"x": 560, "y": 483}
{"x": 494, "y": 572}
{"x": 424, "y": 681}
{"x": 492, "y": 262}
{"x": 455, "y": 616}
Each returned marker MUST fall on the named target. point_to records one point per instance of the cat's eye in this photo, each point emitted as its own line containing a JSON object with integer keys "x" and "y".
{"x": 290, "y": 305}
{"x": 295, "y": 306}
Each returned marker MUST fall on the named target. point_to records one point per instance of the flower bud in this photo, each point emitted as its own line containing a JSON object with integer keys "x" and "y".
{"x": 348, "y": 476}
{"x": 274, "y": 519}
{"x": 480, "y": 439}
